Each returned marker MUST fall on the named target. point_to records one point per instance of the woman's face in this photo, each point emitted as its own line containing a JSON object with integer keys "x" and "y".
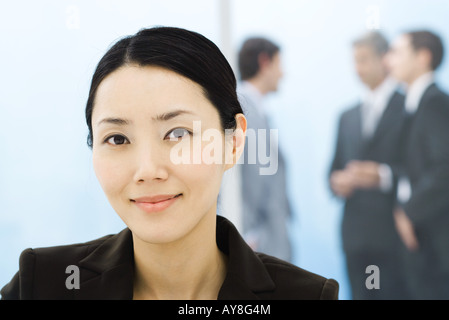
{"x": 141, "y": 116}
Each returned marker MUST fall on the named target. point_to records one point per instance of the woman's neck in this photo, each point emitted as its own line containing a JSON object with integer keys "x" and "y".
{"x": 190, "y": 268}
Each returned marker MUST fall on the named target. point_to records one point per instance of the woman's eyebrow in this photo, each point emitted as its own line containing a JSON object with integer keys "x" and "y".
{"x": 116, "y": 121}
{"x": 162, "y": 117}
{"x": 170, "y": 115}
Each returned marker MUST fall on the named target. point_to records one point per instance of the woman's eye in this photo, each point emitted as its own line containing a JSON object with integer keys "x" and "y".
{"x": 177, "y": 133}
{"x": 116, "y": 140}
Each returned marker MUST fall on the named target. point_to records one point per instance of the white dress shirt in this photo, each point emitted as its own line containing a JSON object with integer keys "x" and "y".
{"x": 374, "y": 104}
{"x": 416, "y": 91}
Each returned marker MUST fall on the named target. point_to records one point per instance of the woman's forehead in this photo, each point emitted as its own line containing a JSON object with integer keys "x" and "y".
{"x": 136, "y": 91}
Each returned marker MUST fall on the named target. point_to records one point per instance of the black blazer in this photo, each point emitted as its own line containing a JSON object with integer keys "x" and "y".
{"x": 427, "y": 157}
{"x": 368, "y": 214}
{"x": 426, "y": 163}
{"x": 106, "y": 271}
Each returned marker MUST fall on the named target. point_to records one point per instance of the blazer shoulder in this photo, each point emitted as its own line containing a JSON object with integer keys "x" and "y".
{"x": 349, "y": 115}
{"x": 351, "y": 111}
{"x": 62, "y": 254}
{"x": 436, "y": 100}
{"x": 293, "y": 282}
{"x": 43, "y": 270}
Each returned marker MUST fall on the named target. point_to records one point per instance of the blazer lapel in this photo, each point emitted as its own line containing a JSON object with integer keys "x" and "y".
{"x": 428, "y": 93}
{"x": 358, "y": 142}
{"x": 107, "y": 272}
{"x": 388, "y": 118}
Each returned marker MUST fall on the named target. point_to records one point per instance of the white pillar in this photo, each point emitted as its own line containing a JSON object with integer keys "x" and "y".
{"x": 225, "y": 31}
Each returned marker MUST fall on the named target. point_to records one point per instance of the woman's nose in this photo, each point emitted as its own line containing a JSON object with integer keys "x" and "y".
{"x": 149, "y": 165}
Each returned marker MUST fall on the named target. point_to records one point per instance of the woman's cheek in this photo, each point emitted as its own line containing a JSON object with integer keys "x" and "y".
{"x": 111, "y": 174}
{"x": 202, "y": 179}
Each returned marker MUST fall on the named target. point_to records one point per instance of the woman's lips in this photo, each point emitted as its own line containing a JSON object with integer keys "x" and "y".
{"x": 156, "y": 203}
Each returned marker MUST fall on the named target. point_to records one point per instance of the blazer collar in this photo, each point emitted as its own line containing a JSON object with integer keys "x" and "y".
{"x": 108, "y": 271}
{"x": 246, "y": 276}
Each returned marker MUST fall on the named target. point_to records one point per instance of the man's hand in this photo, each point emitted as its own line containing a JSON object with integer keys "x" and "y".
{"x": 405, "y": 229}
{"x": 365, "y": 174}
{"x": 342, "y": 183}
{"x": 356, "y": 175}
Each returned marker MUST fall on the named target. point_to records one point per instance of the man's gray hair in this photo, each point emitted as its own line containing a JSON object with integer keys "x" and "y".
{"x": 375, "y": 40}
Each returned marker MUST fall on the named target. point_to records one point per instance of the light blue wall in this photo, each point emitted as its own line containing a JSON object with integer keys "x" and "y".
{"x": 49, "y": 194}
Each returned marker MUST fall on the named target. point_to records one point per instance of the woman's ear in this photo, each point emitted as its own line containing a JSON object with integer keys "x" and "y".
{"x": 235, "y": 142}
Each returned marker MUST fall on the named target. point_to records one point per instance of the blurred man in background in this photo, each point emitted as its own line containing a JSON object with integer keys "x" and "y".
{"x": 363, "y": 172}
{"x": 422, "y": 217}
{"x": 265, "y": 207}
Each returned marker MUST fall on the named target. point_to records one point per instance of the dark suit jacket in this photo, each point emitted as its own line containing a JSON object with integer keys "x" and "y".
{"x": 368, "y": 214}
{"x": 106, "y": 270}
{"x": 426, "y": 162}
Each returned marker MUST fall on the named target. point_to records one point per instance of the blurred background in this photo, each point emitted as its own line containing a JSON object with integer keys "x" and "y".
{"x": 49, "y": 194}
